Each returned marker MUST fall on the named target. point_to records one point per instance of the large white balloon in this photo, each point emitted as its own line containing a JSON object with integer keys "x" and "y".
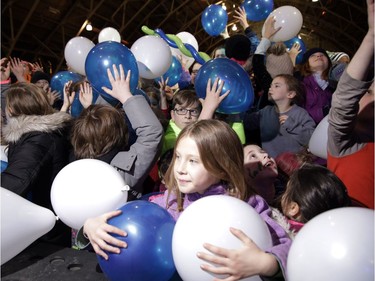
{"x": 109, "y": 34}
{"x": 335, "y": 245}
{"x": 153, "y": 56}
{"x": 76, "y": 51}
{"x": 319, "y": 139}
{"x": 22, "y": 222}
{"x": 290, "y": 20}
{"x": 87, "y": 188}
{"x": 208, "y": 220}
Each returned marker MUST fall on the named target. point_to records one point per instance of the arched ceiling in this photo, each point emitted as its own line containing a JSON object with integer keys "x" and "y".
{"x": 38, "y": 30}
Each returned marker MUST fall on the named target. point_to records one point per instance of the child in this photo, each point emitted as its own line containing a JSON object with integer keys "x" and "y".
{"x": 38, "y": 148}
{"x": 312, "y": 190}
{"x": 261, "y": 171}
{"x": 314, "y": 76}
{"x": 284, "y": 126}
{"x": 100, "y": 132}
{"x": 186, "y": 108}
{"x": 202, "y": 165}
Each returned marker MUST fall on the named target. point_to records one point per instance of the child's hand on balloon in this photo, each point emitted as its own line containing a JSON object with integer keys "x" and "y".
{"x": 97, "y": 230}
{"x": 120, "y": 84}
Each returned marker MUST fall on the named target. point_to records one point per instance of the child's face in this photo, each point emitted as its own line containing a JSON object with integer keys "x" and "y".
{"x": 318, "y": 62}
{"x": 258, "y": 163}
{"x": 278, "y": 90}
{"x": 182, "y": 120}
{"x": 189, "y": 171}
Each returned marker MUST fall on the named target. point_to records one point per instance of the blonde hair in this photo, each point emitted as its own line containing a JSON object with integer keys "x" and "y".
{"x": 221, "y": 153}
{"x": 27, "y": 99}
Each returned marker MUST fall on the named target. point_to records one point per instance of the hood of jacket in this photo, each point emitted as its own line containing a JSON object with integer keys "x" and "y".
{"x": 20, "y": 125}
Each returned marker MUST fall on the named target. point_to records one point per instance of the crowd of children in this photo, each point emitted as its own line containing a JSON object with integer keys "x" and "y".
{"x": 175, "y": 144}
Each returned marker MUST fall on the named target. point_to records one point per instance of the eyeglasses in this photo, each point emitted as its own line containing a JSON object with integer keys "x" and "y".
{"x": 183, "y": 111}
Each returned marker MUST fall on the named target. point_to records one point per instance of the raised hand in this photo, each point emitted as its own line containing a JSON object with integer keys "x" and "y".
{"x": 18, "y": 69}
{"x": 120, "y": 84}
{"x": 240, "y": 14}
{"x": 85, "y": 94}
{"x": 213, "y": 98}
{"x": 68, "y": 97}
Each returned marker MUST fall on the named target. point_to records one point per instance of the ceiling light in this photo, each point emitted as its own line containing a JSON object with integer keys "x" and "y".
{"x": 223, "y": 6}
{"x": 314, "y": 0}
{"x": 89, "y": 26}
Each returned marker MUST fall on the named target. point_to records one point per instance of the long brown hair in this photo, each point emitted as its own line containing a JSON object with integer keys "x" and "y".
{"x": 27, "y": 99}
{"x": 221, "y": 153}
{"x": 98, "y": 130}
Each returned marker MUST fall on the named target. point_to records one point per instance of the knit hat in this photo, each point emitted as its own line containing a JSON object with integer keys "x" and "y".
{"x": 312, "y": 51}
{"x": 336, "y": 56}
{"x": 279, "y": 64}
{"x": 238, "y": 47}
{"x": 39, "y": 75}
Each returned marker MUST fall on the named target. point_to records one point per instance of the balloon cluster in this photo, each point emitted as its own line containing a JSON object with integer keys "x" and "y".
{"x": 175, "y": 42}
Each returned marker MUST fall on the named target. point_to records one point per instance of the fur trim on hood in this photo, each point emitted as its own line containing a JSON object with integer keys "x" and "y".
{"x": 283, "y": 222}
{"x": 17, "y": 126}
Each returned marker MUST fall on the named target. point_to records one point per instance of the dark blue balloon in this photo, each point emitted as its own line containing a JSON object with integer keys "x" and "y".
{"x": 104, "y": 55}
{"x": 174, "y": 72}
{"x": 4, "y": 165}
{"x": 149, "y": 252}
{"x": 257, "y": 10}
{"x": 236, "y": 80}
{"x": 61, "y": 78}
{"x": 76, "y": 107}
{"x": 214, "y": 19}
{"x": 289, "y": 44}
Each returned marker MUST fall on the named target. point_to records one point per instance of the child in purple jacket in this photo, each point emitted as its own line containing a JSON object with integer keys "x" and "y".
{"x": 202, "y": 165}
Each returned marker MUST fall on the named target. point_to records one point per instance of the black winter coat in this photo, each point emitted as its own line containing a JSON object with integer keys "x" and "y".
{"x": 38, "y": 149}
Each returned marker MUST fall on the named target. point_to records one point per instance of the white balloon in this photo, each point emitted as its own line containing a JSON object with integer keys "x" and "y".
{"x": 290, "y": 20}
{"x": 76, "y": 51}
{"x": 22, "y": 222}
{"x": 4, "y": 156}
{"x": 109, "y": 34}
{"x": 87, "y": 188}
{"x": 335, "y": 245}
{"x": 319, "y": 139}
{"x": 153, "y": 56}
{"x": 208, "y": 220}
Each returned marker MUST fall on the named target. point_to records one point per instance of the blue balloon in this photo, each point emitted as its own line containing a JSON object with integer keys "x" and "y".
{"x": 257, "y": 10}
{"x": 149, "y": 252}
{"x": 61, "y": 78}
{"x": 4, "y": 165}
{"x": 76, "y": 107}
{"x": 241, "y": 95}
{"x": 104, "y": 55}
{"x": 174, "y": 72}
{"x": 214, "y": 20}
{"x": 289, "y": 45}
